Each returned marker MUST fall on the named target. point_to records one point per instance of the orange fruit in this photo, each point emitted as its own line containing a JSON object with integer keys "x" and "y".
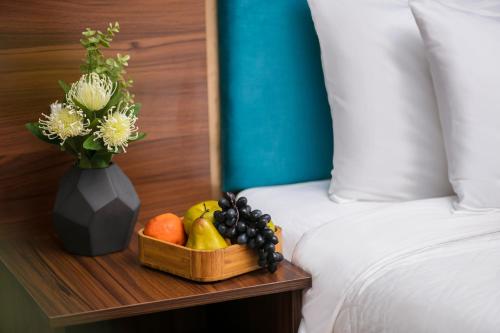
{"x": 166, "y": 227}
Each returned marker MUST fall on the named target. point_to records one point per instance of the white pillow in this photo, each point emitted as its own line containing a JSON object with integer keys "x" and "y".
{"x": 463, "y": 43}
{"x": 387, "y": 136}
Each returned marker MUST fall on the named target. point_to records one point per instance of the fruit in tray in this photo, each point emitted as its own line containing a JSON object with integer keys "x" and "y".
{"x": 237, "y": 221}
{"x": 167, "y": 227}
{"x": 205, "y": 209}
{"x": 204, "y": 236}
{"x": 212, "y": 225}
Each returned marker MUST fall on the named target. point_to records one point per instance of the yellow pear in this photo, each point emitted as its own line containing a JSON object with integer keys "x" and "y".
{"x": 204, "y": 236}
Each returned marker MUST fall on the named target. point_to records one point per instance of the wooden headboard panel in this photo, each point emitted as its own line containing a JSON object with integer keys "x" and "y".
{"x": 167, "y": 43}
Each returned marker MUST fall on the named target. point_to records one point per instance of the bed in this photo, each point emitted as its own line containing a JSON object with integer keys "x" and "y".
{"x": 388, "y": 267}
{"x": 377, "y": 267}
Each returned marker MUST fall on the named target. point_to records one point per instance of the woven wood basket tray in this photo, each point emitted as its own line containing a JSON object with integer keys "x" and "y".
{"x": 198, "y": 265}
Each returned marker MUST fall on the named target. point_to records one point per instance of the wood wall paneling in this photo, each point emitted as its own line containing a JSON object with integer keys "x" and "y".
{"x": 213, "y": 94}
{"x": 39, "y": 44}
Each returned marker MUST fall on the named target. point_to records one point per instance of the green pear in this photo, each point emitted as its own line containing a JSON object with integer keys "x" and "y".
{"x": 204, "y": 236}
{"x": 204, "y": 209}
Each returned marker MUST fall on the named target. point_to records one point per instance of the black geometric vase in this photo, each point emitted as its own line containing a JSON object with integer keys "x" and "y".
{"x": 95, "y": 210}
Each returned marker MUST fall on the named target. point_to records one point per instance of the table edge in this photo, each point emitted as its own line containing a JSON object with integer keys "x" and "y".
{"x": 179, "y": 303}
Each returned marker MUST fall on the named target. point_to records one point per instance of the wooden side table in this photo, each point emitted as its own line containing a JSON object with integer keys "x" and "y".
{"x": 44, "y": 289}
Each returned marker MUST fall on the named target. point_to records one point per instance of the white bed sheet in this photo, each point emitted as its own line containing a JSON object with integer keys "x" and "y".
{"x": 298, "y": 208}
{"x": 389, "y": 267}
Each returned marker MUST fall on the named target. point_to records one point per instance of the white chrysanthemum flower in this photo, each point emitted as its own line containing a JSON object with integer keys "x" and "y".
{"x": 64, "y": 121}
{"x": 117, "y": 128}
{"x": 93, "y": 91}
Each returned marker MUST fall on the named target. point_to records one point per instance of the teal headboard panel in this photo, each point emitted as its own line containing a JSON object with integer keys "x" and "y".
{"x": 275, "y": 120}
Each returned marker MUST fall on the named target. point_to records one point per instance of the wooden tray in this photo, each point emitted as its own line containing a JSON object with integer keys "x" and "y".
{"x": 198, "y": 265}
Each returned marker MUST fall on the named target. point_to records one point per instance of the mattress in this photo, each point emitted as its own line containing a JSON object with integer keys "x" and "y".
{"x": 412, "y": 266}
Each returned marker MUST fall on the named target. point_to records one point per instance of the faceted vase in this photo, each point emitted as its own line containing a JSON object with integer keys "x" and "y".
{"x": 95, "y": 210}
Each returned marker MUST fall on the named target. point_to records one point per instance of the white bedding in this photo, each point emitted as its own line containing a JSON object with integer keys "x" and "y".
{"x": 299, "y": 208}
{"x": 389, "y": 267}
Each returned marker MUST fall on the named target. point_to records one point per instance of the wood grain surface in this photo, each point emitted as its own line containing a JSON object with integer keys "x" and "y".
{"x": 278, "y": 313}
{"x": 73, "y": 290}
{"x": 39, "y": 44}
{"x": 213, "y": 93}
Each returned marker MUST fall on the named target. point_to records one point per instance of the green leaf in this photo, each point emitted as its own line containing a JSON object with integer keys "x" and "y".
{"x": 115, "y": 99}
{"x": 101, "y": 159}
{"x": 73, "y": 146}
{"x": 88, "y": 32}
{"x": 84, "y": 162}
{"x": 140, "y": 136}
{"x": 91, "y": 144}
{"x": 34, "y": 128}
{"x": 104, "y": 42}
{"x": 64, "y": 86}
{"x": 135, "y": 109}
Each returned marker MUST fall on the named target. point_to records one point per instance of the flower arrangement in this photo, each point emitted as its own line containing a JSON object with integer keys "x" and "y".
{"x": 97, "y": 116}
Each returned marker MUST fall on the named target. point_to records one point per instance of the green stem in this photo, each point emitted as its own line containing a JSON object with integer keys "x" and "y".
{"x": 205, "y": 210}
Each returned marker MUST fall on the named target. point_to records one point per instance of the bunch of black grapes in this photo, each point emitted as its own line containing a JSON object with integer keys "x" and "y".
{"x": 238, "y": 222}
